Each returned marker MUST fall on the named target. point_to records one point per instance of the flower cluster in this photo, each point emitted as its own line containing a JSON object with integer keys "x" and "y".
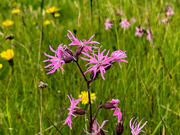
{"x": 140, "y": 31}
{"x": 124, "y": 23}
{"x": 169, "y": 12}
{"x": 98, "y": 63}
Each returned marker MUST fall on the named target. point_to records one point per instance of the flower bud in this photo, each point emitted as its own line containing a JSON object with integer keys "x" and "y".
{"x": 79, "y": 111}
{"x": 68, "y": 59}
{"x": 109, "y": 105}
{"x": 67, "y": 50}
{"x": 79, "y": 50}
{"x": 119, "y": 128}
{"x": 10, "y": 37}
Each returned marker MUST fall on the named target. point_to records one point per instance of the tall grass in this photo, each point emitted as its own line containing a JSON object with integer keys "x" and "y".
{"x": 144, "y": 86}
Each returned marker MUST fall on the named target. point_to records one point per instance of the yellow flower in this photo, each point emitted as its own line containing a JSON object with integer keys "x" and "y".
{"x": 8, "y": 54}
{"x": 7, "y": 23}
{"x": 15, "y": 11}
{"x": 46, "y": 22}
{"x": 52, "y": 9}
{"x": 84, "y": 95}
{"x": 56, "y": 15}
{"x": 1, "y": 66}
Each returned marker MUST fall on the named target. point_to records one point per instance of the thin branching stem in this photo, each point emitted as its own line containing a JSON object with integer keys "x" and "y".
{"x": 89, "y": 97}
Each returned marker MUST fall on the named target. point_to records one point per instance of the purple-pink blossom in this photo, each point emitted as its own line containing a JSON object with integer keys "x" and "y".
{"x": 118, "y": 56}
{"x": 125, "y": 24}
{"x": 108, "y": 24}
{"x": 117, "y": 110}
{"x": 119, "y": 12}
{"x": 139, "y": 32}
{"x": 71, "y": 110}
{"x": 133, "y": 20}
{"x": 169, "y": 12}
{"x": 76, "y": 41}
{"x": 56, "y": 60}
{"x": 135, "y": 127}
{"x": 149, "y": 35}
{"x": 165, "y": 20}
{"x": 95, "y": 128}
{"x": 100, "y": 62}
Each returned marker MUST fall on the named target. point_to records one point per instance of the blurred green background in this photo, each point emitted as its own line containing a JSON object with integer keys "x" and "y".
{"x": 147, "y": 86}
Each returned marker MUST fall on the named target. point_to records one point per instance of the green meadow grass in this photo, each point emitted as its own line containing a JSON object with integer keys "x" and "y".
{"x": 144, "y": 85}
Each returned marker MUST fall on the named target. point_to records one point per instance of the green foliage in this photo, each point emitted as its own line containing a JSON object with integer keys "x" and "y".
{"x": 143, "y": 85}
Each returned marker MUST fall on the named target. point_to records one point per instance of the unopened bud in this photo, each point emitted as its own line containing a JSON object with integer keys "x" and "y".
{"x": 109, "y": 105}
{"x": 79, "y": 111}
{"x": 67, "y": 50}
{"x": 10, "y": 37}
{"x": 42, "y": 84}
{"x": 68, "y": 59}
{"x": 119, "y": 128}
{"x": 79, "y": 50}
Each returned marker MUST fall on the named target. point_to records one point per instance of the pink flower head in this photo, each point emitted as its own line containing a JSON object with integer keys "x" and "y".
{"x": 95, "y": 128}
{"x": 119, "y": 12}
{"x": 169, "y": 12}
{"x": 101, "y": 62}
{"x": 107, "y": 24}
{"x": 165, "y": 20}
{"x": 118, "y": 56}
{"x": 149, "y": 35}
{"x": 139, "y": 32}
{"x": 133, "y": 20}
{"x": 125, "y": 24}
{"x": 135, "y": 129}
{"x": 117, "y": 110}
{"x": 76, "y": 41}
{"x": 56, "y": 60}
{"x": 71, "y": 110}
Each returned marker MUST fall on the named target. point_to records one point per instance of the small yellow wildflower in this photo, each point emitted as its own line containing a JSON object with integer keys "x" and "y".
{"x": 56, "y": 15}
{"x": 8, "y": 54}
{"x": 52, "y": 9}
{"x": 1, "y": 66}
{"x": 46, "y": 22}
{"x": 84, "y": 95}
{"x": 7, "y": 23}
{"x": 15, "y": 11}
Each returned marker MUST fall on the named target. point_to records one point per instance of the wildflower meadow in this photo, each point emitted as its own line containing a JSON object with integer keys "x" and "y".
{"x": 90, "y": 67}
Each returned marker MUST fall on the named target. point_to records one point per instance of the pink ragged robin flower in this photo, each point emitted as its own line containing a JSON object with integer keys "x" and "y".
{"x": 165, "y": 20}
{"x": 169, "y": 12}
{"x": 100, "y": 62}
{"x": 107, "y": 24}
{"x": 139, "y": 32}
{"x": 135, "y": 128}
{"x": 125, "y": 24}
{"x": 119, "y": 12}
{"x": 117, "y": 110}
{"x": 133, "y": 20}
{"x": 72, "y": 109}
{"x": 118, "y": 56}
{"x": 99, "y": 130}
{"x": 149, "y": 35}
{"x": 56, "y": 60}
{"x": 76, "y": 41}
